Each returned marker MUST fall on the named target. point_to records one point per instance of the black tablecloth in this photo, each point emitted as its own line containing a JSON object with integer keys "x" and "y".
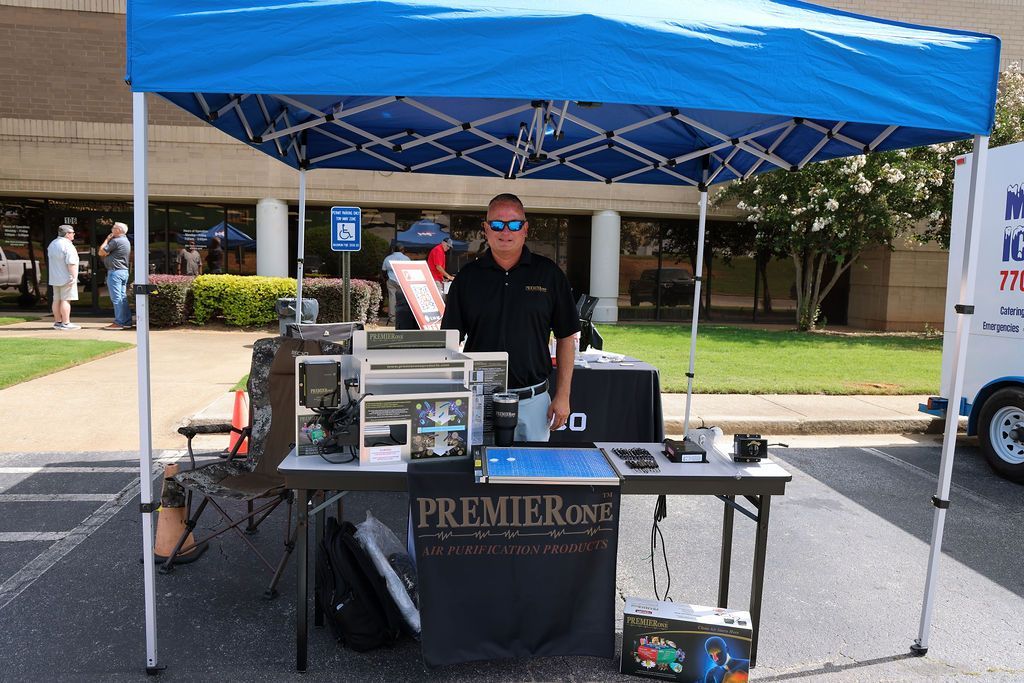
{"x": 511, "y": 570}
{"x": 612, "y": 402}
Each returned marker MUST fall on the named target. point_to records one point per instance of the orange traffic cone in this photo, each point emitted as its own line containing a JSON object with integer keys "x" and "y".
{"x": 171, "y": 522}
{"x": 239, "y": 420}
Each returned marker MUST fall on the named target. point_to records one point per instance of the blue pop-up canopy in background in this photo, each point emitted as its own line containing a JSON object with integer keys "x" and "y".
{"x": 230, "y": 237}
{"x": 425, "y": 234}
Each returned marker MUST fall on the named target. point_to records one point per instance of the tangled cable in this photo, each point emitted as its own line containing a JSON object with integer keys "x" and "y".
{"x": 337, "y": 422}
{"x": 660, "y": 513}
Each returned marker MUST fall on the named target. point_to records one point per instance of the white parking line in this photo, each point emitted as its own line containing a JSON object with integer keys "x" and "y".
{"x": 960, "y": 490}
{"x": 57, "y": 497}
{"x": 18, "y": 536}
{"x": 57, "y": 469}
{"x": 27, "y": 575}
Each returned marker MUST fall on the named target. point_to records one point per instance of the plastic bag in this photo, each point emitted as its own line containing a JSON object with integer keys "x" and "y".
{"x": 380, "y": 544}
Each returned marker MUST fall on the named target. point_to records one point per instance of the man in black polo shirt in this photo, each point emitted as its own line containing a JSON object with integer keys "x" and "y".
{"x": 509, "y": 300}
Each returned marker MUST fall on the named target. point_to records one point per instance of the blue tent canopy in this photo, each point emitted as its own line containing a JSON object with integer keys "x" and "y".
{"x": 425, "y": 234}
{"x": 230, "y": 238}
{"x": 685, "y": 92}
{"x": 645, "y": 91}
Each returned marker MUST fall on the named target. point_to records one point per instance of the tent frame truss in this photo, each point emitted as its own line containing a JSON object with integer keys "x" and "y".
{"x": 528, "y": 156}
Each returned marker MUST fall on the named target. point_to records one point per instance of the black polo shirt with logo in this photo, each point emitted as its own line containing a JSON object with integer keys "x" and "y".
{"x": 513, "y": 311}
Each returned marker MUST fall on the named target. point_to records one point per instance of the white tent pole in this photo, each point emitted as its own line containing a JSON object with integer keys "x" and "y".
{"x": 698, "y": 271}
{"x": 964, "y": 310}
{"x": 140, "y": 178}
{"x": 301, "y": 249}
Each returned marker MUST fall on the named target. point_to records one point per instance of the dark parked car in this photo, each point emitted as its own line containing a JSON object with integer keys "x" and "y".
{"x": 676, "y": 287}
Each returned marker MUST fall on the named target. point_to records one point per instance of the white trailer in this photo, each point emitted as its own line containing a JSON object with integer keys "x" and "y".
{"x": 993, "y": 384}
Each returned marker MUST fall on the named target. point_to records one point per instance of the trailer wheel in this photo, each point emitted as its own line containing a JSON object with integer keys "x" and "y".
{"x": 1001, "y": 433}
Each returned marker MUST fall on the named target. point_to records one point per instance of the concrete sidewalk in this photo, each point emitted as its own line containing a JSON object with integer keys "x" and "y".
{"x": 771, "y": 414}
{"x": 92, "y": 407}
{"x": 778, "y": 414}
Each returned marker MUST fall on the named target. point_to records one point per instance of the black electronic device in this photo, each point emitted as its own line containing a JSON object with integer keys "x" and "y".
{"x": 686, "y": 450}
{"x": 589, "y": 336}
{"x": 749, "y": 448}
{"x": 320, "y": 384}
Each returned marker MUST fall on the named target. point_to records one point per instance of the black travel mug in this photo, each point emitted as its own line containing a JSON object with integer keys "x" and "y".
{"x": 506, "y": 416}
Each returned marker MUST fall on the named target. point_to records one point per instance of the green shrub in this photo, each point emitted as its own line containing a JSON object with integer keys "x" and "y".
{"x": 241, "y": 299}
{"x": 329, "y": 293}
{"x": 171, "y": 303}
{"x": 244, "y": 300}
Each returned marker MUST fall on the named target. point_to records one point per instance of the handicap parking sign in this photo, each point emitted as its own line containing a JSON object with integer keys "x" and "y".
{"x": 346, "y": 228}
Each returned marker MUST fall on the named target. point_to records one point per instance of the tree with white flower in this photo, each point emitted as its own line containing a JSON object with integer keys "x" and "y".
{"x": 1008, "y": 128}
{"x": 824, "y": 216}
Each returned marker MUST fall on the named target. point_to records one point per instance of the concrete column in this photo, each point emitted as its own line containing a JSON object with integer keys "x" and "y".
{"x": 272, "y": 238}
{"x": 604, "y": 265}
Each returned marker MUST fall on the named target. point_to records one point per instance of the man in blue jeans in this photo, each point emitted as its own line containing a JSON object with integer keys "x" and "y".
{"x": 116, "y": 252}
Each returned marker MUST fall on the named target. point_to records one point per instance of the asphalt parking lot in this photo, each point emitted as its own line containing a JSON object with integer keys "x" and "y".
{"x": 845, "y": 574}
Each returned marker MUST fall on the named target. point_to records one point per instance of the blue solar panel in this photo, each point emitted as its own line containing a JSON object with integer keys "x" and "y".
{"x": 555, "y": 464}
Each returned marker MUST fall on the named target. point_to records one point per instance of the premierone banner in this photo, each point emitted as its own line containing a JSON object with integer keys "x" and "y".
{"x": 512, "y": 570}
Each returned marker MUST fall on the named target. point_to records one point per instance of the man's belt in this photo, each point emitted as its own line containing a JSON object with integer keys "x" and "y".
{"x": 530, "y": 392}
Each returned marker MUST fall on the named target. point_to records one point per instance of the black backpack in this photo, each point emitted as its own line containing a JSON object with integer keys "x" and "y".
{"x": 354, "y": 598}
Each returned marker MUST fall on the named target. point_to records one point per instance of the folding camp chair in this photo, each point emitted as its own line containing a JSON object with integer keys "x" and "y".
{"x": 253, "y": 479}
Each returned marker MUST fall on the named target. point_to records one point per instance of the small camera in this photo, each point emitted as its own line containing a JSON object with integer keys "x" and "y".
{"x": 749, "y": 448}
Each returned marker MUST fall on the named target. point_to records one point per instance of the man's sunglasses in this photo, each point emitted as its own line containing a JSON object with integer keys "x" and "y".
{"x": 498, "y": 226}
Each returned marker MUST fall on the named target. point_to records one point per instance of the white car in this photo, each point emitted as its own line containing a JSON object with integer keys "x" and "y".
{"x": 17, "y": 272}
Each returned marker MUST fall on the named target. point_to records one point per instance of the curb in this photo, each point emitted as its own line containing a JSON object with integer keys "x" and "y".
{"x": 204, "y": 420}
{"x": 733, "y": 424}
{"x": 788, "y": 426}
{"x": 218, "y": 412}
{"x": 674, "y": 425}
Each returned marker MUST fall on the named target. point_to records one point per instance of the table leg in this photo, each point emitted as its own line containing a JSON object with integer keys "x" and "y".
{"x": 302, "y": 590}
{"x": 757, "y": 582}
{"x": 725, "y": 563}
{"x": 318, "y": 536}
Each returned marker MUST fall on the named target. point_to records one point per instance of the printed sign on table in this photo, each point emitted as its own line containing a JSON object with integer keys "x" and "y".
{"x": 420, "y": 292}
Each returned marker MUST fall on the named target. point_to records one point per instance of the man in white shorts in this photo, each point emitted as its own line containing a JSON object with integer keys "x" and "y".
{"x": 63, "y": 277}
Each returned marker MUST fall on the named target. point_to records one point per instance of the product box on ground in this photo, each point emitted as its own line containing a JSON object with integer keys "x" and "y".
{"x": 680, "y": 642}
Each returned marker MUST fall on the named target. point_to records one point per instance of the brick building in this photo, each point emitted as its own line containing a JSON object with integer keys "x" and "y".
{"x": 65, "y": 156}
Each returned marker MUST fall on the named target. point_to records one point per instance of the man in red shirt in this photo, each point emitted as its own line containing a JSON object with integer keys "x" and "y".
{"x": 436, "y": 260}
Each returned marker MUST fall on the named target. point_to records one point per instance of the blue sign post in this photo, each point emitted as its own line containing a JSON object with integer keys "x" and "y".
{"x": 346, "y": 228}
{"x": 346, "y": 237}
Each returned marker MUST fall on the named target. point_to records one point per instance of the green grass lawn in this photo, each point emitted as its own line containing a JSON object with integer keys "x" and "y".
{"x": 11, "y": 319}
{"x": 732, "y": 360}
{"x": 24, "y": 359}
{"x": 743, "y": 361}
